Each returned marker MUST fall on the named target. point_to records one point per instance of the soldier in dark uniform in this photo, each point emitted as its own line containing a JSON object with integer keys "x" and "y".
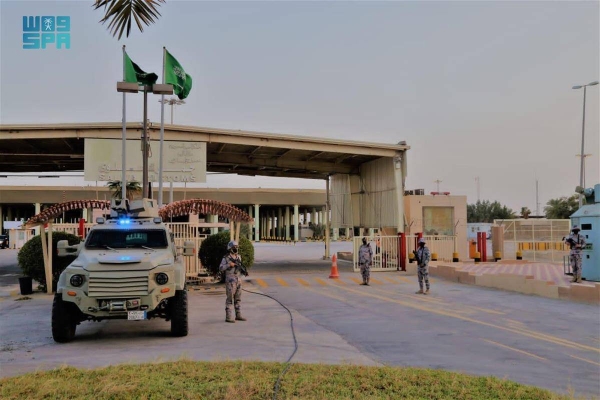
{"x": 576, "y": 242}
{"x": 365, "y": 258}
{"x": 230, "y": 264}
{"x": 423, "y": 256}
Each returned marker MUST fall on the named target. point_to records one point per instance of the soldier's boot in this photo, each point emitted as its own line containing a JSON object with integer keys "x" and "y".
{"x": 579, "y": 277}
{"x": 229, "y": 317}
{"x": 419, "y": 292}
{"x": 238, "y": 316}
{"x": 426, "y": 292}
{"x": 574, "y": 279}
{"x": 367, "y": 283}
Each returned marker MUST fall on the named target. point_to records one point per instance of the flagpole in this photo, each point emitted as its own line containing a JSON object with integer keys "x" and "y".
{"x": 162, "y": 137}
{"x": 124, "y": 144}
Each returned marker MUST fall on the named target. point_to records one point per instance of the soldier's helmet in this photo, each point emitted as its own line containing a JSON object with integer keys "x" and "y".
{"x": 421, "y": 240}
{"x": 231, "y": 244}
{"x": 575, "y": 228}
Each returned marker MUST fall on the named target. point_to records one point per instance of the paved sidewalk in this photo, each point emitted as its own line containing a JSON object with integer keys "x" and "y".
{"x": 541, "y": 271}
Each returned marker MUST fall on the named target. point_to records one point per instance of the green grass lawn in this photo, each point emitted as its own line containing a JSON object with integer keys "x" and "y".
{"x": 254, "y": 380}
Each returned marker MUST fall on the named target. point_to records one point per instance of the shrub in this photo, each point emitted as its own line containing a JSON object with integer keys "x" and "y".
{"x": 214, "y": 248}
{"x": 31, "y": 258}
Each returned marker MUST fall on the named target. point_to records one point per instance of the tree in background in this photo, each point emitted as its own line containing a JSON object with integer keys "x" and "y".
{"x": 562, "y": 208}
{"x": 484, "y": 211}
{"x": 132, "y": 189}
{"x": 120, "y": 13}
{"x": 525, "y": 212}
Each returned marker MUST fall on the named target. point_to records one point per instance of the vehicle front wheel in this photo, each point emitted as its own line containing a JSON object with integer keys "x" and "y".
{"x": 179, "y": 313}
{"x": 64, "y": 321}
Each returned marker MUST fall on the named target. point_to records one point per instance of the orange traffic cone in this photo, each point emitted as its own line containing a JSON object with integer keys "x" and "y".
{"x": 334, "y": 272}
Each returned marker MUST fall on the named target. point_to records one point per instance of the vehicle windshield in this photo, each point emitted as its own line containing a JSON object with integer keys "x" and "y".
{"x": 121, "y": 239}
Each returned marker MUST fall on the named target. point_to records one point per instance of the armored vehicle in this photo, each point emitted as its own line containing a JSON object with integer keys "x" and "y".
{"x": 127, "y": 268}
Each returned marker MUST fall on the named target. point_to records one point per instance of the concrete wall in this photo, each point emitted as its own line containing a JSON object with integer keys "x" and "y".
{"x": 413, "y": 208}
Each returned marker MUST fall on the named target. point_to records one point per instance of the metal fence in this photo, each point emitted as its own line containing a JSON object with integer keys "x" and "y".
{"x": 536, "y": 239}
{"x": 386, "y": 249}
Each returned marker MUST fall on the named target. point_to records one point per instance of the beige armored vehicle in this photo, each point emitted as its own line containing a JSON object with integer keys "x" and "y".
{"x": 127, "y": 268}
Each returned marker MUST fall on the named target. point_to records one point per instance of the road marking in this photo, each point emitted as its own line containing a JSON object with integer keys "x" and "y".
{"x": 339, "y": 281}
{"x": 513, "y": 349}
{"x": 403, "y": 279}
{"x": 281, "y": 282}
{"x": 531, "y": 334}
{"x": 487, "y": 310}
{"x": 564, "y": 342}
{"x": 387, "y": 278}
{"x": 356, "y": 280}
{"x": 377, "y": 281}
{"x": 585, "y": 359}
{"x": 261, "y": 282}
{"x": 302, "y": 282}
{"x": 321, "y": 281}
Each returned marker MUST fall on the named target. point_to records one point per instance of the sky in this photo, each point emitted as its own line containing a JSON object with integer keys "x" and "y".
{"x": 475, "y": 88}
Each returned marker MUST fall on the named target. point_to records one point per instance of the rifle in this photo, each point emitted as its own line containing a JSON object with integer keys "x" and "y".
{"x": 416, "y": 253}
{"x": 239, "y": 265}
{"x": 570, "y": 242}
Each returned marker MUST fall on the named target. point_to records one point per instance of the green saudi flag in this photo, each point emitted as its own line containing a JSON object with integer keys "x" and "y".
{"x": 176, "y": 76}
{"x": 134, "y": 74}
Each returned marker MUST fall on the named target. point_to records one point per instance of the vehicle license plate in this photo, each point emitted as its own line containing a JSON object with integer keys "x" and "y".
{"x": 136, "y": 315}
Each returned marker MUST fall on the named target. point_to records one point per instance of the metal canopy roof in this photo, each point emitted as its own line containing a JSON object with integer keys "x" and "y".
{"x": 59, "y": 147}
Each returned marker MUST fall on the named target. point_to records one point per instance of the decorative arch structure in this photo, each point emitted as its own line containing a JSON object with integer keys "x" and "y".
{"x": 204, "y": 206}
{"x": 57, "y": 209}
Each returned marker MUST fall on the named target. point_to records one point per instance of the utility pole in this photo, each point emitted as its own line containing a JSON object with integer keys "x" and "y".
{"x": 537, "y": 198}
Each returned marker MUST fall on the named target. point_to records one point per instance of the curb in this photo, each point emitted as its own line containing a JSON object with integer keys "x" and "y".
{"x": 526, "y": 284}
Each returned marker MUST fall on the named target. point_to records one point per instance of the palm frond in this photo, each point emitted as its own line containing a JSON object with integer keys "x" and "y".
{"x": 119, "y": 13}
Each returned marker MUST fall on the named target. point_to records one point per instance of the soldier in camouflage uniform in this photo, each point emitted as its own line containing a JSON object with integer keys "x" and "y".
{"x": 576, "y": 243}
{"x": 365, "y": 258}
{"x": 233, "y": 282}
{"x": 423, "y": 256}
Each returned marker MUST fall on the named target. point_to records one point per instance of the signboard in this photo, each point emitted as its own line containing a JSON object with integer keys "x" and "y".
{"x": 438, "y": 221}
{"x": 182, "y": 162}
{"x": 13, "y": 224}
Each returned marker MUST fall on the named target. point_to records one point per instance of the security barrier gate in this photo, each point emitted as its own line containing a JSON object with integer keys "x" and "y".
{"x": 386, "y": 249}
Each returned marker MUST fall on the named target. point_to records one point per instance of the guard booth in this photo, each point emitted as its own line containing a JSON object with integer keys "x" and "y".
{"x": 588, "y": 220}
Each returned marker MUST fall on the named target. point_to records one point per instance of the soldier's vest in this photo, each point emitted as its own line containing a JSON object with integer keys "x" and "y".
{"x": 364, "y": 254}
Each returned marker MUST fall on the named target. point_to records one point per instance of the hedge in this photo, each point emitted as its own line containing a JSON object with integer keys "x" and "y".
{"x": 214, "y": 248}
{"x": 31, "y": 259}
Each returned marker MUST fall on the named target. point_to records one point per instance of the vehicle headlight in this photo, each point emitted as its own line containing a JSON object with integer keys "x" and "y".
{"x": 161, "y": 278}
{"x": 76, "y": 280}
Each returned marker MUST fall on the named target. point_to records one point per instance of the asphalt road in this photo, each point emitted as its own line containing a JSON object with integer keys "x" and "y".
{"x": 9, "y": 270}
{"x": 549, "y": 343}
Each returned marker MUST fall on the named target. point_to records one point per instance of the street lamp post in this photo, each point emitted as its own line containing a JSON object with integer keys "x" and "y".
{"x": 584, "y": 156}
{"x": 173, "y": 101}
{"x": 582, "y": 164}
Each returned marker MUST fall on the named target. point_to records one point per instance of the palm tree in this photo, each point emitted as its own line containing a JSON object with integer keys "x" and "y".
{"x": 561, "y": 208}
{"x": 132, "y": 189}
{"x": 525, "y": 212}
{"x": 120, "y": 13}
